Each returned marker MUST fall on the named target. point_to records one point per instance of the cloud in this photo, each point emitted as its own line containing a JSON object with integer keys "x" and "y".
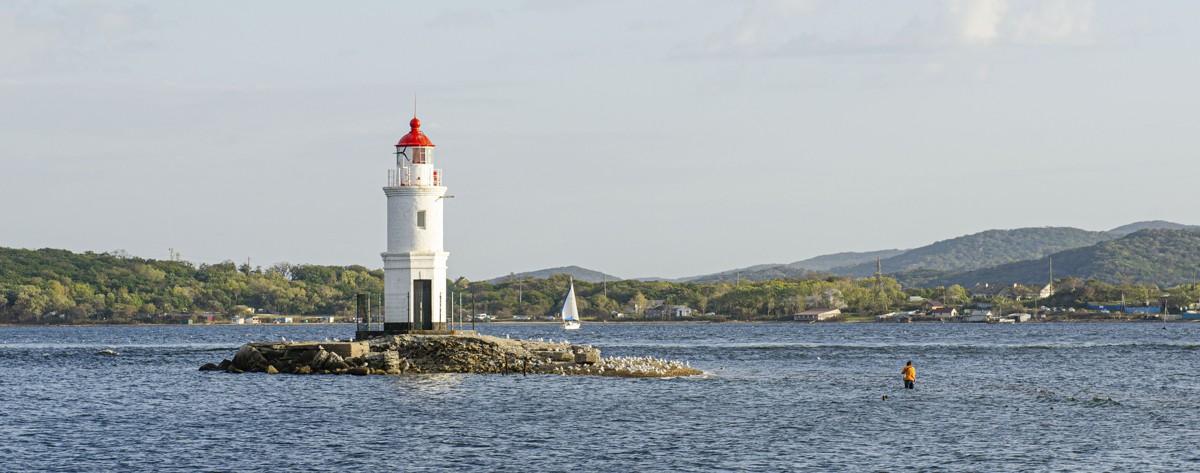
{"x": 464, "y": 18}
{"x": 24, "y": 49}
{"x": 976, "y": 21}
{"x": 775, "y": 29}
{"x": 753, "y": 31}
{"x": 39, "y": 38}
{"x": 1056, "y": 22}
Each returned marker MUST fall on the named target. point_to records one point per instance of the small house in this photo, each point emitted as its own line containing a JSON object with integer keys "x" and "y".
{"x": 944, "y": 313}
{"x": 668, "y": 310}
{"x": 816, "y": 315}
{"x": 977, "y": 315}
{"x": 931, "y": 305}
{"x": 1047, "y": 291}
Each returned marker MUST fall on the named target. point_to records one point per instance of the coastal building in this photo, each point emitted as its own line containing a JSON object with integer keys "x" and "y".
{"x": 944, "y": 313}
{"x": 668, "y": 310}
{"x": 816, "y": 315}
{"x": 932, "y": 305}
{"x": 904, "y": 316}
{"x": 414, "y": 265}
{"x": 1020, "y": 317}
{"x": 1047, "y": 291}
{"x": 977, "y": 315}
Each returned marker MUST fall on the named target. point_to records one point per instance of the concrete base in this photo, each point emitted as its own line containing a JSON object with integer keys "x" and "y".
{"x": 406, "y": 327}
{"x": 360, "y": 335}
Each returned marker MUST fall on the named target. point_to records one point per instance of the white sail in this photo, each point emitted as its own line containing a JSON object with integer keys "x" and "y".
{"x": 570, "y": 310}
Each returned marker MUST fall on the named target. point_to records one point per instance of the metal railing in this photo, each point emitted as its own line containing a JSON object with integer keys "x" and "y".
{"x": 403, "y": 177}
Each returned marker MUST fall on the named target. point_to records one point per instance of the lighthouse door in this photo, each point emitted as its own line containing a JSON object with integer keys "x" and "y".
{"x": 423, "y": 304}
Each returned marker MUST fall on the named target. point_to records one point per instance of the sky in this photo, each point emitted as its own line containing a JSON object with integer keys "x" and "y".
{"x": 638, "y": 138}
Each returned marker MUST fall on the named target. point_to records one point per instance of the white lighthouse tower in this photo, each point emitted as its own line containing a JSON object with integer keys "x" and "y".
{"x": 414, "y": 265}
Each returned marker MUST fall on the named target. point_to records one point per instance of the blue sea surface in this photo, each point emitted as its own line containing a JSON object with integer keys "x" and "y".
{"x": 777, "y": 397}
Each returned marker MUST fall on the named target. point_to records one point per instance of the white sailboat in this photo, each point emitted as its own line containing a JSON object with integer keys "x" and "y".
{"x": 570, "y": 310}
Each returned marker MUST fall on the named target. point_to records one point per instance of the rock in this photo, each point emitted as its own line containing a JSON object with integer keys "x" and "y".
{"x": 249, "y": 358}
{"x": 210, "y": 367}
{"x": 328, "y": 361}
{"x": 384, "y": 361}
{"x": 443, "y": 354}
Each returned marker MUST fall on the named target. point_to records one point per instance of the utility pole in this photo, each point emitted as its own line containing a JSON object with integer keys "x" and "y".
{"x": 1051, "y": 276}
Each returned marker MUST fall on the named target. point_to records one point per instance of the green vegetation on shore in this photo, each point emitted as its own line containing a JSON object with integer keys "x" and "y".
{"x": 58, "y": 286}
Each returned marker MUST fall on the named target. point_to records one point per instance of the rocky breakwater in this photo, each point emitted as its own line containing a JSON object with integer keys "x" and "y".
{"x": 402, "y": 354}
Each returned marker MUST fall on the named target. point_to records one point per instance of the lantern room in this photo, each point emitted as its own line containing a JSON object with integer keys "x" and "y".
{"x": 414, "y": 160}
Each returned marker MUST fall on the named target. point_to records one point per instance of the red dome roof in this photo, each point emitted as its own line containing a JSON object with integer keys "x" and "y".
{"x": 414, "y": 137}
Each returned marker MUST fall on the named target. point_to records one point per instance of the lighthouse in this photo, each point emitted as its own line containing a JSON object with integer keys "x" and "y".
{"x": 414, "y": 265}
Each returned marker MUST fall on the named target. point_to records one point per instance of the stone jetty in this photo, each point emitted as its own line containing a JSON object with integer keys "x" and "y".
{"x": 457, "y": 353}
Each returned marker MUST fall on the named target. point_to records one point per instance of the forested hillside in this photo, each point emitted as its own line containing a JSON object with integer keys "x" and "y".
{"x": 982, "y": 250}
{"x": 798, "y": 269}
{"x": 1157, "y": 256}
{"x": 774, "y": 298}
{"x": 755, "y": 273}
{"x": 837, "y": 260}
{"x": 1152, "y": 224}
{"x": 103, "y": 286}
{"x": 58, "y": 286}
{"x": 581, "y": 274}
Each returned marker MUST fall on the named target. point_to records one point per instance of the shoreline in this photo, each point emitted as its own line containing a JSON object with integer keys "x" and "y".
{"x": 638, "y": 322}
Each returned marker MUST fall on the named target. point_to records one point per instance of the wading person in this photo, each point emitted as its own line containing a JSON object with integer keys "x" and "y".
{"x": 910, "y": 375}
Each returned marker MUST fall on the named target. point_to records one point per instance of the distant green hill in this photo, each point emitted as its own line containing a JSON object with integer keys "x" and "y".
{"x": 755, "y": 273}
{"x": 763, "y": 272}
{"x": 828, "y": 262}
{"x": 1154, "y": 256}
{"x": 1151, "y": 224}
{"x": 37, "y": 286}
{"x": 982, "y": 250}
{"x": 582, "y": 274}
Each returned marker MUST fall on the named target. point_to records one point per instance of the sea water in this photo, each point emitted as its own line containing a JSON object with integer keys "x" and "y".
{"x": 777, "y": 397}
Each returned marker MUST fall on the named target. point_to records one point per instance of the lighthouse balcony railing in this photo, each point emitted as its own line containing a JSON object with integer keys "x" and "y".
{"x": 404, "y": 177}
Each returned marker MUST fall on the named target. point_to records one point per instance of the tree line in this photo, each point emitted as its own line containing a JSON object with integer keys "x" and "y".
{"x": 51, "y": 285}
{"x": 58, "y": 286}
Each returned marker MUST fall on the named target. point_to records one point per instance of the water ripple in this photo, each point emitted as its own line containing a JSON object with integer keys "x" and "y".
{"x": 777, "y": 397}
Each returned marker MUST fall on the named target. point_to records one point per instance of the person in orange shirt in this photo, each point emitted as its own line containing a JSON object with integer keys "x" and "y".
{"x": 910, "y": 375}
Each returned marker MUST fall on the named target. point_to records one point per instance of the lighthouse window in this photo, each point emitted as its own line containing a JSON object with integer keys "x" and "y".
{"x": 419, "y": 155}
{"x": 421, "y": 219}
